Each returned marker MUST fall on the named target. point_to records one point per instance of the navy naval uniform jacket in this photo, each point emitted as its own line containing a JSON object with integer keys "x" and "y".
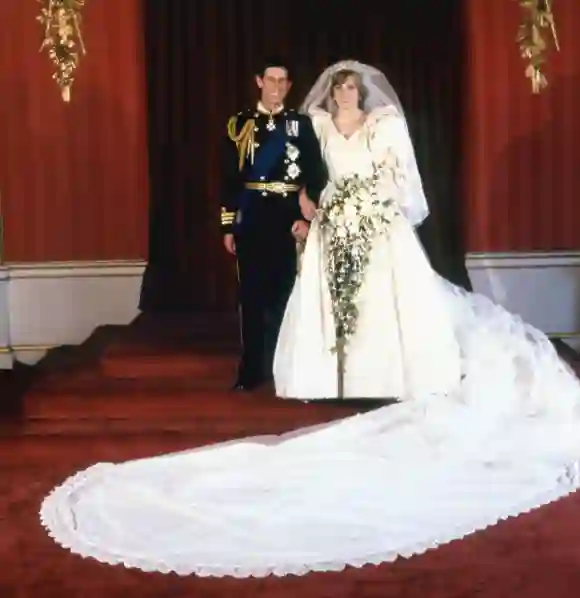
{"x": 267, "y": 160}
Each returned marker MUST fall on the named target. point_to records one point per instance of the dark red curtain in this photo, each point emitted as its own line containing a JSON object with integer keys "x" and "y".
{"x": 201, "y": 57}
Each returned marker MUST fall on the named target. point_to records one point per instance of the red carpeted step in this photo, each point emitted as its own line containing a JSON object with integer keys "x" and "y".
{"x": 79, "y": 378}
{"x": 180, "y": 328}
{"x": 89, "y": 443}
{"x": 218, "y": 416}
{"x": 204, "y": 347}
{"x": 211, "y": 365}
{"x": 199, "y": 432}
{"x": 142, "y": 403}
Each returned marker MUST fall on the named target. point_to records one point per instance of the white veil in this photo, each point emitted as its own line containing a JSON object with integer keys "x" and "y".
{"x": 379, "y": 94}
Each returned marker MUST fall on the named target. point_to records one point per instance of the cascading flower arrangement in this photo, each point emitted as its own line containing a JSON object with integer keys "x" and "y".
{"x": 350, "y": 221}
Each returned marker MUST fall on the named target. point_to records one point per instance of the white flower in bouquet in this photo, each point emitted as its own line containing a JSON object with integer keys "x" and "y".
{"x": 354, "y": 223}
{"x": 339, "y": 221}
{"x": 350, "y": 211}
{"x": 368, "y": 208}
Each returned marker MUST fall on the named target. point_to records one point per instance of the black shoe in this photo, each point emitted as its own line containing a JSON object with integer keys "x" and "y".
{"x": 245, "y": 386}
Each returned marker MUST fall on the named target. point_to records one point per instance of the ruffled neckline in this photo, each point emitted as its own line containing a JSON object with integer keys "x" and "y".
{"x": 373, "y": 116}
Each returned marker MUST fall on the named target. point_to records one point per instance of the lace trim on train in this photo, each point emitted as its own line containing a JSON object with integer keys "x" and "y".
{"x": 567, "y": 483}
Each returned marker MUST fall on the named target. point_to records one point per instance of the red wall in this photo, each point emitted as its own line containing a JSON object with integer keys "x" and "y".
{"x": 73, "y": 178}
{"x": 522, "y": 166}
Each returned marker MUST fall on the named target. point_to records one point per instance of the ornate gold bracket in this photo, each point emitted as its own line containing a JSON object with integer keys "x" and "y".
{"x": 63, "y": 39}
{"x": 533, "y": 46}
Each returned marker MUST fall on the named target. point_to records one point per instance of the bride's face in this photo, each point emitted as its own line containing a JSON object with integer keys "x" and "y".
{"x": 346, "y": 94}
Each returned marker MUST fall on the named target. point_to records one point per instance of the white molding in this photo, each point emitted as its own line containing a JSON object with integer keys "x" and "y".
{"x": 44, "y": 305}
{"x": 541, "y": 286}
{"x": 61, "y": 270}
{"x": 523, "y": 259}
{"x": 6, "y": 358}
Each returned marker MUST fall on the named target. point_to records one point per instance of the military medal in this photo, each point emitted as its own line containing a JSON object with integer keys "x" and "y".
{"x": 271, "y": 124}
{"x": 292, "y": 128}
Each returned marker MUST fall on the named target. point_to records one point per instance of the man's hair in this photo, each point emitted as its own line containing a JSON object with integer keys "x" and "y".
{"x": 272, "y": 62}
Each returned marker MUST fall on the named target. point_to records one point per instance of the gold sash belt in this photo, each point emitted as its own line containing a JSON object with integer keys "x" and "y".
{"x": 275, "y": 187}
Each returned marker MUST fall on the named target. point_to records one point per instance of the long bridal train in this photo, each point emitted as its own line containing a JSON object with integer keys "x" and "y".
{"x": 395, "y": 481}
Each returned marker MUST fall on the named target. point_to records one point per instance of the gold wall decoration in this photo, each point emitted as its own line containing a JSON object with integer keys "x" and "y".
{"x": 538, "y": 22}
{"x": 63, "y": 39}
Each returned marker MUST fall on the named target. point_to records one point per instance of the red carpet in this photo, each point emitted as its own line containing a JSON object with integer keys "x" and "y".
{"x": 160, "y": 387}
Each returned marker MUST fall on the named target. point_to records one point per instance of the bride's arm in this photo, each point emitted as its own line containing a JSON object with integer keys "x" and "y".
{"x": 392, "y": 146}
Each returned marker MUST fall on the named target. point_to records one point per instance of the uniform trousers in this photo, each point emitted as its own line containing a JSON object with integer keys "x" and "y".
{"x": 267, "y": 263}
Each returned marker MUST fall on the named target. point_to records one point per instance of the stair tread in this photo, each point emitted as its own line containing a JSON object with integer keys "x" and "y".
{"x": 138, "y": 350}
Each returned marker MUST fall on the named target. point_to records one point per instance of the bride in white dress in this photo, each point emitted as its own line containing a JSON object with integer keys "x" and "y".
{"x": 491, "y": 431}
{"x": 403, "y": 344}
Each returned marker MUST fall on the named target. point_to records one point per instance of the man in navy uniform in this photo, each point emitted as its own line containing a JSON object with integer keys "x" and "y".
{"x": 271, "y": 155}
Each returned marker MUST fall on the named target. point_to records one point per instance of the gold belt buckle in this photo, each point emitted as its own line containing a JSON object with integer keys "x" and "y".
{"x": 276, "y": 187}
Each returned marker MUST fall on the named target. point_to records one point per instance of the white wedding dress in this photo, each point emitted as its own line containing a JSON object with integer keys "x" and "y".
{"x": 405, "y": 345}
{"x": 489, "y": 427}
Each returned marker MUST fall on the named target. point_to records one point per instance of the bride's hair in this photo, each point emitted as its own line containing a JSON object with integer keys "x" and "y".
{"x": 338, "y": 79}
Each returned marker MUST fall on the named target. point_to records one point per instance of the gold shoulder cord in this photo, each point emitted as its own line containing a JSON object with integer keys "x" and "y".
{"x": 244, "y": 140}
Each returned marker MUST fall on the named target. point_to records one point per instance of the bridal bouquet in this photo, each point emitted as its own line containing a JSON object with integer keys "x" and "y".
{"x": 355, "y": 214}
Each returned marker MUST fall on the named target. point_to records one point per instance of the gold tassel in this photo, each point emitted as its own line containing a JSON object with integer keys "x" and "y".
{"x": 63, "y": 39}
{"x": 244, "y": 141}
{"x": 539, "y": 16}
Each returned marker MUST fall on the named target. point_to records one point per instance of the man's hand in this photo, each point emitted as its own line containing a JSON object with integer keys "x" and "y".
{"x": 230, "y": 243}
{"x": 300, "y": 230}
{"x": 307, "y": 206}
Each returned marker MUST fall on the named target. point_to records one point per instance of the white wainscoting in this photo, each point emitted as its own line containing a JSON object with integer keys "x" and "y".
{"x": 45, "y": 305}
{"x": 50, "y": 304}
{"x": 5, "y": 356}
{"x": 542, "y": 287}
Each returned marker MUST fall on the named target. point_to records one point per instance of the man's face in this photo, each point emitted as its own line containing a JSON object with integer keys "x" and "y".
{"x": 274, "y": 85}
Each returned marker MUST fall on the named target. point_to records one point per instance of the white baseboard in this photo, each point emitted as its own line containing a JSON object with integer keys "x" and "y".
{"x": 45, "y": 305}
{"x": 5, "y": 354}
{"x": 51, "y": 304}
{"x": 543, "y": 287}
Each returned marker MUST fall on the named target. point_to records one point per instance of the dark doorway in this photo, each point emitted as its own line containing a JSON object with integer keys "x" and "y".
{"x": 200, "y": 60}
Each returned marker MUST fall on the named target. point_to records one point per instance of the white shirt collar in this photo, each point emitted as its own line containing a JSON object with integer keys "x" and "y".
{"x": 264, "y": 110}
